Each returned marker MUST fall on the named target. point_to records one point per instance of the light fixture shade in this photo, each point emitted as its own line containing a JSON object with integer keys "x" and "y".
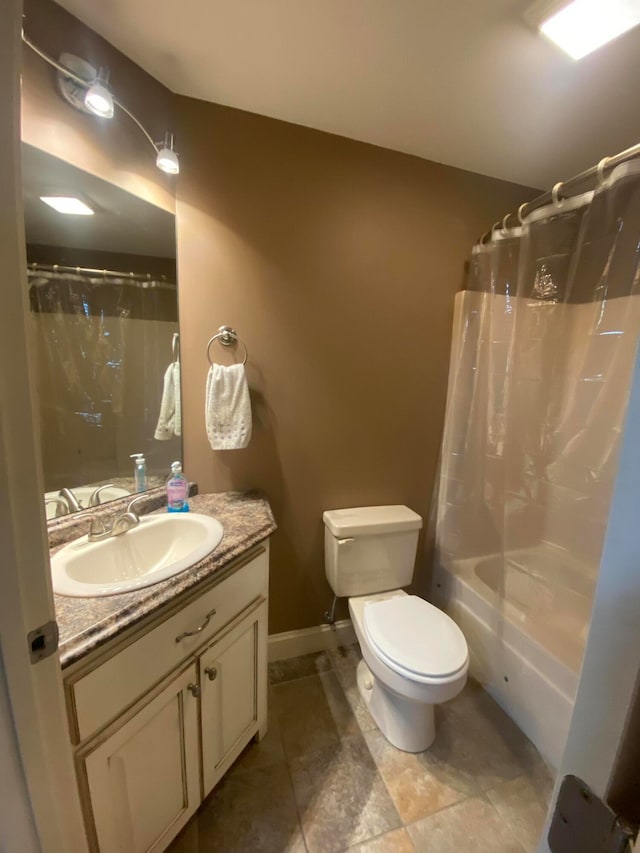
{"x": 98, "y": 100}
{"x": 167, "y": 160}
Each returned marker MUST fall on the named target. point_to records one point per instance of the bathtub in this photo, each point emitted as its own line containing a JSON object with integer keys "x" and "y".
{"x": 526, "y": 625}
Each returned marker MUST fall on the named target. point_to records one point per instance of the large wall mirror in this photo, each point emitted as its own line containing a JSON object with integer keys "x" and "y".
{"x": 103, "y": 297}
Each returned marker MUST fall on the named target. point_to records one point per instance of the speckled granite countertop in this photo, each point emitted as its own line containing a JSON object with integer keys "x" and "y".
{"x": 85, "y": 623}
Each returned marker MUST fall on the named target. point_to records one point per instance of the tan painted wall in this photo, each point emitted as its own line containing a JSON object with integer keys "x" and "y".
{"x": 337, "y": 262}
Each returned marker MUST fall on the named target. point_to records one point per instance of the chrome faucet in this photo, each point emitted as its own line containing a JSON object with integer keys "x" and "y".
{"x": 121, "y": 524}
{"x": 94, "y": 500}
{"x": 62, "y": 507}
{"x": 72, "y": 501}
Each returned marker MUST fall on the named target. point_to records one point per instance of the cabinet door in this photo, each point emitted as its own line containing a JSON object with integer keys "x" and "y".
{"x": 233, "y": 675}
{"x": 144, "y": 779}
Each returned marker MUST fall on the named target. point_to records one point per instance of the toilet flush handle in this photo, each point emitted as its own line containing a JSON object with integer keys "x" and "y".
{"x": 345, "y": 542}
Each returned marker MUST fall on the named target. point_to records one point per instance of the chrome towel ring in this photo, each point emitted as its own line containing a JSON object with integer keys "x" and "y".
{"x": 227, "y": 337}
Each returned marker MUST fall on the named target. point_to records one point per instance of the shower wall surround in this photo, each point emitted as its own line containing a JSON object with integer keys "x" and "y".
{"x": 544, "y": 343}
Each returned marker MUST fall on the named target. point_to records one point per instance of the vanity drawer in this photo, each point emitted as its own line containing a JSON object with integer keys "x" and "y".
{"x": 97, "y": 697}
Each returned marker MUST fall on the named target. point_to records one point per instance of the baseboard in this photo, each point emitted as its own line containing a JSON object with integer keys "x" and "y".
{"x": 291, "y": 644}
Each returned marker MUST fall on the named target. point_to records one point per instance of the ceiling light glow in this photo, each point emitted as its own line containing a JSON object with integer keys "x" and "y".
{"x": 67, "y": 204}
{"x": 585, "y": 25}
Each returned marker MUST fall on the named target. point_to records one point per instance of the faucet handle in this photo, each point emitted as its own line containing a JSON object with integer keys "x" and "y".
{"x": 94, "y": 500}
{"x": 96, "y": 526}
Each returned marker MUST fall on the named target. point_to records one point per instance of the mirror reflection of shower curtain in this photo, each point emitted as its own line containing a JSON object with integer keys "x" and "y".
{"x": 102, "y": 348}
{"x": 543, "y": 346}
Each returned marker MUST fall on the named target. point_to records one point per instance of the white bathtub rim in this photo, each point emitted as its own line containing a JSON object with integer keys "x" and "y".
{"x": 537, "y": 692}
{"x": 447, "y": 585}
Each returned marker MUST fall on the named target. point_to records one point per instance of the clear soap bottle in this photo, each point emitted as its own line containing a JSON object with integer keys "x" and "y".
{"x": 140, "y": 472}
{"x": 177, "y": 490}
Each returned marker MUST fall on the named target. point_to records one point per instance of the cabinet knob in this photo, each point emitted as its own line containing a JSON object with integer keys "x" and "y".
{"x": 211, "y": 672}
{"x": 194, "y": 689}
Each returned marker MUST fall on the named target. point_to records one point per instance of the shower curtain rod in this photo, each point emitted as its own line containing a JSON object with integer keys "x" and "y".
{"x": 562, "y": 186}
{"x": 133, "y": 276}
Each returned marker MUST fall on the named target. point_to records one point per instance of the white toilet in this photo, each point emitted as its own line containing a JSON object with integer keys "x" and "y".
{"x": 415, "y": 656}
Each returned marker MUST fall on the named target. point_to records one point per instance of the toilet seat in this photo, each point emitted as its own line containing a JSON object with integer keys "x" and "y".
{"x": 414, "y": 638}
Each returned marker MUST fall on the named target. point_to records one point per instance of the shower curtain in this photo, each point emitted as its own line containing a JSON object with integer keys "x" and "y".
{"x": 102, "y": 347}
{"x": 543, "y": 348}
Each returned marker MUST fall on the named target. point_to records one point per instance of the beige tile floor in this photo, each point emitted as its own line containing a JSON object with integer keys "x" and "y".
{"x": 324, "y": 779}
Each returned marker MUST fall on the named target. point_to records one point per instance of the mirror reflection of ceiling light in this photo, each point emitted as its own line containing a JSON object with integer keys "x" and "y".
{"x": 582, "y": 26}
{"x": 89, "y": 92}
{"x": 67, "y": 204}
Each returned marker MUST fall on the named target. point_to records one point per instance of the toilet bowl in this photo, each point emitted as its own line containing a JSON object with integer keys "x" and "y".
{"x": 414, "y": 657}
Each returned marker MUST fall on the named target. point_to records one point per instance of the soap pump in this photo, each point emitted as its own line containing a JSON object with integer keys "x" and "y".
{"x": 177, "y": 489}
{"x": 140, "y": 472}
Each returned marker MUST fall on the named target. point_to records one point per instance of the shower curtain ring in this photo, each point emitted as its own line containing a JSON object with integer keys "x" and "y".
{"x": 504, "y": 222}
{"x": 555, "y": 193}
{"x": 521, "y": 213}
{"x": 493, "y": 228}
{"x": 602, "y": 165}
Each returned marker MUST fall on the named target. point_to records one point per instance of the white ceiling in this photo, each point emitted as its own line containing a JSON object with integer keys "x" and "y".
{"x": 462, "y": 82}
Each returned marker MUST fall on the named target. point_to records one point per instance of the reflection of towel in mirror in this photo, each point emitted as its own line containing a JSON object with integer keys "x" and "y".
{"x": 177, "y": 400}
{"x": 170, "y": 418}
{"x": 227, "y": 407}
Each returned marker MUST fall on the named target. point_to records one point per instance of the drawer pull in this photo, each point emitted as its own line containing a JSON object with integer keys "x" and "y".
{"x": 211, "y": 672}
{"x": 197, "y": 630}
{"x": 194, "y": 689}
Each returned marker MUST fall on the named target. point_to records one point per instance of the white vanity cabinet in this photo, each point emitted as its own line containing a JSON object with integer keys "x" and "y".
{"x": 233, "y": 675}
{"x": 144, "y": 779}
{"x": 160, "y": 716}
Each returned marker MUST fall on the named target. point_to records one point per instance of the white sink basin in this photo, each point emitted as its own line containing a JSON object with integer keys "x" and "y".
{"x": 158, "y": 548}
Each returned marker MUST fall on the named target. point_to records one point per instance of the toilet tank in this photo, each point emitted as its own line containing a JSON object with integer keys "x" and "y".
{"x": 370, "y": 549}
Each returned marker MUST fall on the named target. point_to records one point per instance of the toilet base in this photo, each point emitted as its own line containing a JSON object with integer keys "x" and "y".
{"x": 406, "y": 724}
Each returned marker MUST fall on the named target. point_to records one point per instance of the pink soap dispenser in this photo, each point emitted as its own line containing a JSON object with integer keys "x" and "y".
{"x": 177, "y": 490}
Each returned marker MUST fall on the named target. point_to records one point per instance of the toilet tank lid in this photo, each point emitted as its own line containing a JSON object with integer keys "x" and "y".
{"x": 371, "y": 520}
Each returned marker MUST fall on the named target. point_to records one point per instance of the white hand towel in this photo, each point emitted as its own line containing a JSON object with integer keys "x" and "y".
{"x": 177, "y": 400}
{"x": 164, "y": 429}
{"x": 227, "y": 407}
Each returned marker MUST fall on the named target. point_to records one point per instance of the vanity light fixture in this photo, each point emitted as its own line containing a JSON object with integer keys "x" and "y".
{"x": 582, "y": 26}
{"x": 167, "y": 159}
{"x": 89, "y": 92}
{"x": 98, "y": 98}
{"x": 67, "y": 204}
